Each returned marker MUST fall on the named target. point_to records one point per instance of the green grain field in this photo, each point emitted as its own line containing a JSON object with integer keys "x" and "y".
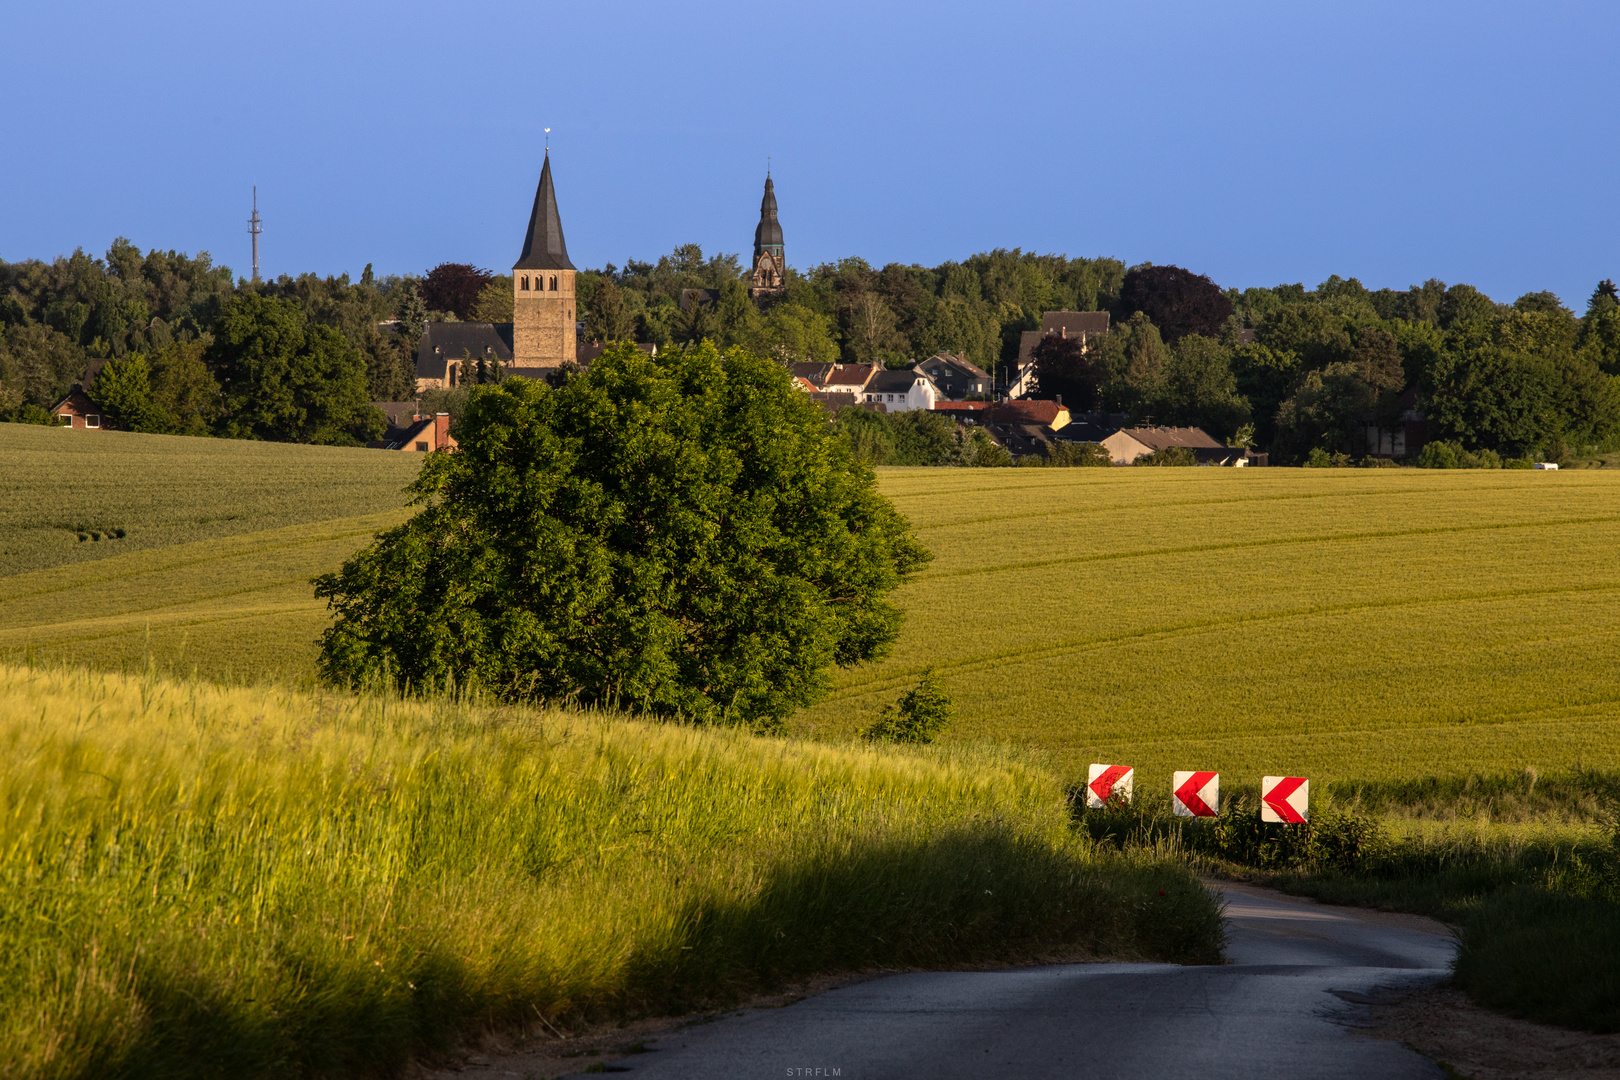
{"x": 195, "y": 552}
{"x": 1345, "y": 624}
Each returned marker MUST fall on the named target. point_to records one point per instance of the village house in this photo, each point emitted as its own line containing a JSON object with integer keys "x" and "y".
{"x": 1128, "y": 444}
{"x": 1081, "y": 325}
{"x": 77, "y": 411}
{"x": 449, "y": 352}
{"x": 954, "y": 376}
{"x": 904, "y": 390}
{"x": 420, "y": 435}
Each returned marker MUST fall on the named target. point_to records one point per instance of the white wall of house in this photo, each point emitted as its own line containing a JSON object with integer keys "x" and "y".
{"x": 922, "y": 395}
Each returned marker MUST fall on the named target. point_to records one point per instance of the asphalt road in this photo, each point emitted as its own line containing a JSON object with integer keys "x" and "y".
{"x": 1282, "y": 1007}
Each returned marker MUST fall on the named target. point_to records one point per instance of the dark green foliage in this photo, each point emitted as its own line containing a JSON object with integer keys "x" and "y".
{"x": 38, "y": 365}
{"x": 1200, "y": 388}
{"x": 920, "y": 716}
{"x": 1062, "y": 454}
{"x": 680, "y": 536}
{"x": 1179, "y": 302}
{"x": 123, "y": 392}
{"x": 454, "y": 287}
{"x": 1169, "y": 456}
{"x": 1065, "y": 369}
{"x": 1544, "y": 957}
{"x": 1465, "y": 304}
{"x": 916, "y": 437}
{"x": 285, "y": 379}
{"x": 1323, "y": 412}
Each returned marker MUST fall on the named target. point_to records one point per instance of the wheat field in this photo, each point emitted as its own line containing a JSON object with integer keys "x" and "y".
{"x": 1345, "y": 624}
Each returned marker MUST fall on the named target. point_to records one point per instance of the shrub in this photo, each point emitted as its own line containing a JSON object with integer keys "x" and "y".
{"x": 922, "y": 713}
{"x": 1321, "y": 459}
{"x": 1169, "y": 456}
{"x": 1451, "y": 455}
{"x": 1370, "y": 462}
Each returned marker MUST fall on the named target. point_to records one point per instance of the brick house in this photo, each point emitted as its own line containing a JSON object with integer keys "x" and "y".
{"x": 77, "y": 411}
{"x": 422, "y": 435}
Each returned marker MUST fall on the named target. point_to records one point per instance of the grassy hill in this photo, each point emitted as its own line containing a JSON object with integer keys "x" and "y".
{"x": 1344, "y": 623}
{"x": 203, "y": 881}
{"x": 1350, "y": 624}
{"x": 198, "y": 552}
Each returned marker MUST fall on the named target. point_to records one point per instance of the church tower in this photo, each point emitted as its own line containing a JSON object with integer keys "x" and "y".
{"x": 770, "y": 267}
{"x": 543, "y": 287}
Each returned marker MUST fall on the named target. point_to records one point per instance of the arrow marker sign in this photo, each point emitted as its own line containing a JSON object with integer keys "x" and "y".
{"x": 1196, "y": 794}
{"x": 1107, "y": 780}
{"x": 1285, "y": 799}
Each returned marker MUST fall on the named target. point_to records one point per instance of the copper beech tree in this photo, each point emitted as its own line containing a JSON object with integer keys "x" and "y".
{"x": 678, "y": 536}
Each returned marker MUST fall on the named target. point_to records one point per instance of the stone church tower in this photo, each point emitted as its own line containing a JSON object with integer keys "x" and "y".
{"x": 543, "y": 287}
{"x": 770, "y": 268}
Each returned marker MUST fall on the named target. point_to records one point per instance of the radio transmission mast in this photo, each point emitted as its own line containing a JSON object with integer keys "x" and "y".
{"x": 255, "y": 227}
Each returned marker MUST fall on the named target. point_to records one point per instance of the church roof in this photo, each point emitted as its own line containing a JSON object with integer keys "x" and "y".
{"x": 543, "y": 247}
{"x": 769, "y": 231}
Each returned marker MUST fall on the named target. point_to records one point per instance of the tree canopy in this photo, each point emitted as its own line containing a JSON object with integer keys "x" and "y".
{"x": 680, "y": 536}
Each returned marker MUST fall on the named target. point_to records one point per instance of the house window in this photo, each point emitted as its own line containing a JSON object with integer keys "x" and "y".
{"x": 92, "y": 421}
{"x": 554, "y": 283}
{"x": 67, "y": 419}
{"x": 421, "y": 447}
{"x": 525, "y": 282}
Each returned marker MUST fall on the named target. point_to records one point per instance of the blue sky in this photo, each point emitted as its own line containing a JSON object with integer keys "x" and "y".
{"x": 1258, "y": 143}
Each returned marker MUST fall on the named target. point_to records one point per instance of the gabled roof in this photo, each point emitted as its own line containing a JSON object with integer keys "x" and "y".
{"x": 958, "y": 361}
{"x": 1027, "y": 411}
{"x": 1157, "y": 438}
{"x": 399, "y": 413}
{"x": 895, "y": 382}
{"x": 443, "y": 342}
{"x": 812, "y": 373}
{"x": 543, "y": 247}
{"x": 1074, "y": 323}
{"x": 851, "y": 374}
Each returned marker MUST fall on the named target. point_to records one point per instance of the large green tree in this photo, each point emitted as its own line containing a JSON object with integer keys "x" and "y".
{"x": 679, "y": 536}
{"x": 287, "y": 380}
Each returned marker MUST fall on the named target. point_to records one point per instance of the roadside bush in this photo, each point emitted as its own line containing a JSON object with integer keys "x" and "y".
{"x": 921, "y": 714}
{"x": 1544, "y": 957}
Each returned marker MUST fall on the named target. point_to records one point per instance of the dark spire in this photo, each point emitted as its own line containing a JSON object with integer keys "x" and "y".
{"x": 769, "y": 232}
{"x": 543, "y": 247}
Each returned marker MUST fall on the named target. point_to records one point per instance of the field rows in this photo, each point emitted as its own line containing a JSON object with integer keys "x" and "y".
{"x": 1354, "y": 624}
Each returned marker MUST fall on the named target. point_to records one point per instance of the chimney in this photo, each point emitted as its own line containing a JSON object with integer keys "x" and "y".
{"x": 441, "y": 430}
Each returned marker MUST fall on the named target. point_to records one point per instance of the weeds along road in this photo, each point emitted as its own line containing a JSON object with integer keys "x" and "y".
{"x": 1284, "y": 1006}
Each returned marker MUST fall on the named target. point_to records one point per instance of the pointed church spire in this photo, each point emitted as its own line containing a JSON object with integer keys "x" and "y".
{"x": 768, "y": 235}
{"x": 770, "y": 266}
{"x": 543, "y": 247}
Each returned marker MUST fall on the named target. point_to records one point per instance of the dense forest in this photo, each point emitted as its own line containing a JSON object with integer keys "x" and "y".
{"x": 1287, "y": 368}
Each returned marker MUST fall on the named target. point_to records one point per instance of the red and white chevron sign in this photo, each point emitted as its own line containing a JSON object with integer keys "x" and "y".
{"x": 1285, "y": 799}
{"x": 1195, "y": 794}
{"x": 1108, "y": 780}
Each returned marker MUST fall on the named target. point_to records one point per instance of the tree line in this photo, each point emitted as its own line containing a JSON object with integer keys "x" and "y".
{"x": 1289, "y": 369}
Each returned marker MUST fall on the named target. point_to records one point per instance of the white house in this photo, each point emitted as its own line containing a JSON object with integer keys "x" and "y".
{"x": 900, "y": 391}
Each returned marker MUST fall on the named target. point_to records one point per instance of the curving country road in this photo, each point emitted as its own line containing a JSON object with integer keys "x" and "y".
{"x": 1278, "y": 1009}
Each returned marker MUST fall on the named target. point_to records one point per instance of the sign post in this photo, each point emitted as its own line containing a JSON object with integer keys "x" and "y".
{"x": 1106, "y": 780}
{"x": 1195, "y": 794}
{"x": 1285, "y": 799}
